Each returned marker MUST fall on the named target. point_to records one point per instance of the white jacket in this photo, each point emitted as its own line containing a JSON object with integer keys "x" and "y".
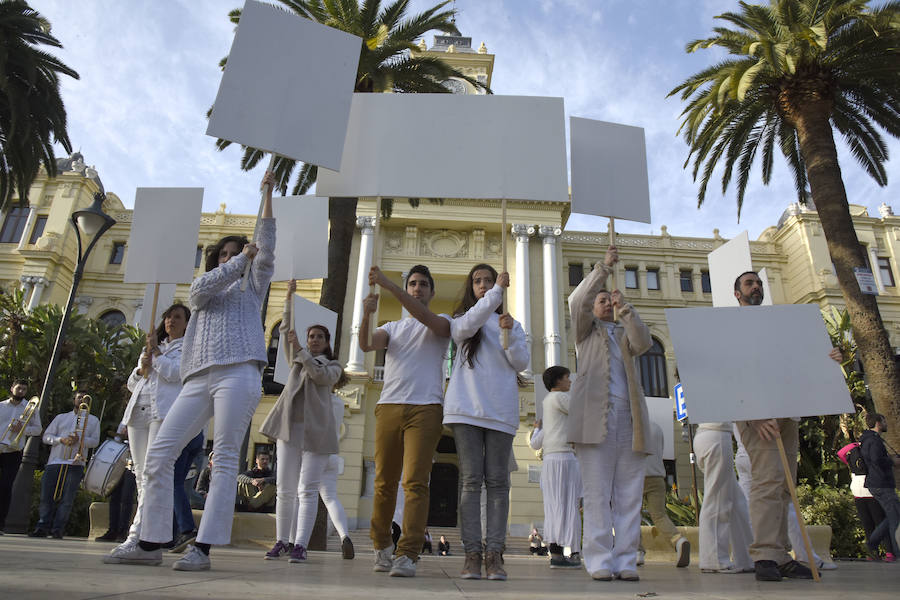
{"x": 163, "y": 385}
{"x": 486, "y": 395}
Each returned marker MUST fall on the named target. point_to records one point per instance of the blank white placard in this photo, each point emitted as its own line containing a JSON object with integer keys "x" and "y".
{"x": 287, "y": 86}
{"x": 164, "y": 301}
{"x": 725, "y": 263}
{"x": 662, "y": 413}
{"x": 306, "y": 313}
{"x": 452, "y": 146}
{"x": 756, "y": 362}
{"x": 609, "y": 170}
{"x": 301, "y": 247}
{"x": 165, "y": 227}
{"x": 767, "y": 289}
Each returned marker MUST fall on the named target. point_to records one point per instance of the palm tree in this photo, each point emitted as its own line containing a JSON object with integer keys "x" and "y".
{"x": 32, "y": 115}
{"x": 800, "y": 69}
{"x": 386, "y": 63}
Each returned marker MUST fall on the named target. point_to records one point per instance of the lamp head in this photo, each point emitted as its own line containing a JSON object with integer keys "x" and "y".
{"x": 93, "y": 219}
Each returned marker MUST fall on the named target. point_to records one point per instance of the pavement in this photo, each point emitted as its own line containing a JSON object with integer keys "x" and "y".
{"x": 72, "y": 569}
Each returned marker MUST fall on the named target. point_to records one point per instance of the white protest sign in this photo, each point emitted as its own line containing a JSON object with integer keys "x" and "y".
{"x": 660, "y": 410}
{"x": 306, "y": 313}
{"x": 301, "y": 248}
{"x": 759, "y": 362}
{"x": 452, "y": 146}
{"x": 725, "y": 263}
{"x": 609, "y": 170}
{"x": 287, "y": 86}
{"x": 165, "y": 227}
{"x": 164, "y": 301}
{"x": 767, "y": 289}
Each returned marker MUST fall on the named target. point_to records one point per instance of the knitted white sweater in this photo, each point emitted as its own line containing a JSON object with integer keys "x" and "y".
{"x": 225, "y": 328}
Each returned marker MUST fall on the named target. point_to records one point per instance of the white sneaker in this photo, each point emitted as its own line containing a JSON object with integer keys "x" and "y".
{"x": 131, "y": 554}
{"x": 403, "y": 566}
{"x": 641, "y": 555}
{"x": 193, "y": 560}
{"x": 383, "y": 562}
{"x": 826, "y": 565}
{"x": 683, "y": 550}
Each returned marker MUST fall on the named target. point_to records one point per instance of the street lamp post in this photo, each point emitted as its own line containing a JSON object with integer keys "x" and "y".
{"x": 94, "y": 223}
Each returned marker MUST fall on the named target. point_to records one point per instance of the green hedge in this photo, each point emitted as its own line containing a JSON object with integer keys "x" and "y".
{"x": 824, "y": 505}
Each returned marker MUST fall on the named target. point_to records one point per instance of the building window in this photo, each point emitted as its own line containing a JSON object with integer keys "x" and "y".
{"x": 705, "y": 285}
{"x": 38, "y": 230}
{"x": 687, "y": 280}
{"x": 118, "y": 253}
{"x": 198, "y": 259}
{"x": 653, "y": 371}
{"x": 113, "y": 318}
{"x": 652, "y": 279}
{"x": 631, "y": 278}
{"x": 887, "y": 276}
{"x": 14, "y": 225}
{"x": 576, "y": 274}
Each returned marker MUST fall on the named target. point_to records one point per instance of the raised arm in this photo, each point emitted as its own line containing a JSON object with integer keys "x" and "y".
{"x": 581, "y": 301}
{"x": 380, "y": 337}
{"x": 321, "y": 370}
{"x": 437, "y": 324}
{"x": 517, "y": 354}
{"x": 214, "y": 282}
{"x": 466, "y": 325}
{"x": 637, "y": 335}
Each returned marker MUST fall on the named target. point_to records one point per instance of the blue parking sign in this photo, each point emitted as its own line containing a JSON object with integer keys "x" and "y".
{"x": 680, "y": 408}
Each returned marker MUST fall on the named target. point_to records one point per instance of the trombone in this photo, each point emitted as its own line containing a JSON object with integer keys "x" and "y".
{"x": 14, "y": 443}
{"x": 81, "y": 423}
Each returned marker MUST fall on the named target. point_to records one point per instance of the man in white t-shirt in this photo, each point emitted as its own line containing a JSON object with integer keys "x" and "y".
{"x": 408, "y": 416}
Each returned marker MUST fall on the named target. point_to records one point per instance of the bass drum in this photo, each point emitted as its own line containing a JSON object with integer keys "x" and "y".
{"x": 106, "y": 467}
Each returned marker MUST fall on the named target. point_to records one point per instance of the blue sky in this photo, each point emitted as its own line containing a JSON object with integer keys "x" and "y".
{"x": 149, "y": 72}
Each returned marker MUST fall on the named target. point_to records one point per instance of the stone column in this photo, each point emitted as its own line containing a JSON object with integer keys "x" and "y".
{"x": 876, "y": 272}
{"x": 403, "y": 277}
{"x": 552, "y": 339}
{"x": 521, "y": 233}
{"x": 40, "y": 283}
{"x": 356, "y": 359}
{"x": 29, "y": 223}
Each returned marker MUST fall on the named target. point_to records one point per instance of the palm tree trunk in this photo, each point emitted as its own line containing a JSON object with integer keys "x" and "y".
{"x": 820, "y": 156}
{"x": 342, "y": 218}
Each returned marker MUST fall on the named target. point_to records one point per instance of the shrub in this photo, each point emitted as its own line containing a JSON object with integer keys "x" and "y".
{"x": 823, "y": 505}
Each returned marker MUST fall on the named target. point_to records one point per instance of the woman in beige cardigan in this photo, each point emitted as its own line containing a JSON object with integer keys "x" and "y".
{"x": 608, "y": 422}
{"x": 302, "y": 423}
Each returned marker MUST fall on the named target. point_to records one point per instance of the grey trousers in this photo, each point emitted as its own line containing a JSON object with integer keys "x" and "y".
{"x": 483, "y": 458}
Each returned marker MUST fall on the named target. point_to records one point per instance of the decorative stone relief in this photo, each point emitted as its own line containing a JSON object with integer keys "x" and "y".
{"x": 351, "y": 395}
{"x": 493, "y": 246}
{"x": 477, "y": 244}
{"x": 393, "y": 242}
{"x": 444, "y": 243}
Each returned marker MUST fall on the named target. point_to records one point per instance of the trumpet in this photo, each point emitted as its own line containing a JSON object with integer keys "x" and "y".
{"x": 14, "y": 443}
{"x": 81, "y": 423}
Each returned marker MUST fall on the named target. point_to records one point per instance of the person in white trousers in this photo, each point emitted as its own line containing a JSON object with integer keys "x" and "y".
{"x": 724, "y": 517}
{"x": 303, "y": 424}
{"x": 224, "y": 352}
{"x": 608, "y": 422}
{"x": 560, "y": 473}
{"x": 155, "y": 384}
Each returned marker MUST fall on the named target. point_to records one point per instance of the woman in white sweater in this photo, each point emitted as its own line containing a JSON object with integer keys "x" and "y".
{"x": 154, "y": 385}
{"x": 303, "y": 424}
{"x": 482, "y": 407}
{"x": 221, "y": 365}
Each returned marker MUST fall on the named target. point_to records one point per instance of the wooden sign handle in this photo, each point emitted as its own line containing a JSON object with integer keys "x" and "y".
{"x": 262, "y": 200}
{"x": 612, "y": 242}
{"x": 151, "y": 329}
{"x": 376, "y": 230}
{"x": 793, "y": 490}
{"x": 503, "y": 236}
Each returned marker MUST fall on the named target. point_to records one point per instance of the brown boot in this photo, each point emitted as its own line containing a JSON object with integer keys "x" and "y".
{"x": 493, "y": 566}
{"x": 472, "y": 568}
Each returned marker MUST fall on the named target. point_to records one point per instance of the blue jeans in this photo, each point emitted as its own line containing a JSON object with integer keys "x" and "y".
{"x": 184, "y": 518}
{"x": 53, "y": 516}
{"x": 887, "y": 529}
{"x": 483, "y": 458}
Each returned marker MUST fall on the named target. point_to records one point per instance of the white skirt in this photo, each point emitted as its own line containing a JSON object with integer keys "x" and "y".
{"x": 561, "y": 487}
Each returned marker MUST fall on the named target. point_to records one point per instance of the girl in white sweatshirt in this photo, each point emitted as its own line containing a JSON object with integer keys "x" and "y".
{"x": 482, "y": 407}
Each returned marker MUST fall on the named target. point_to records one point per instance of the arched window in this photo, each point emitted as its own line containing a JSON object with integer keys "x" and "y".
{"x": 113, "y": 318}
{"x": 653, "y": 371}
